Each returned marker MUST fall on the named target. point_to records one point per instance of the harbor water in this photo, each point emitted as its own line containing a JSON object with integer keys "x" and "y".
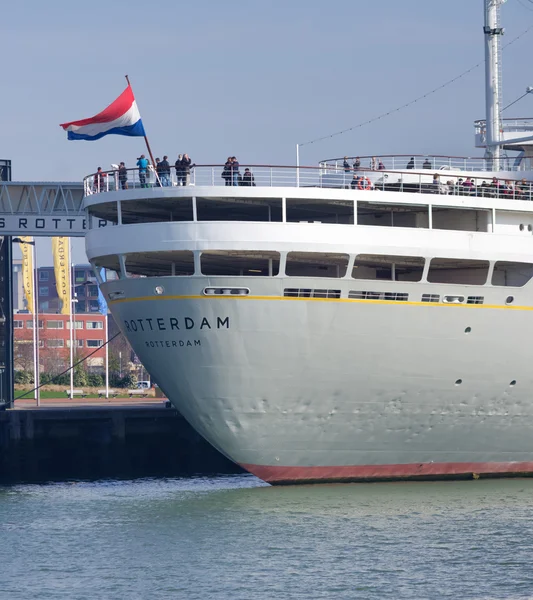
{"x": 233, "y": 537}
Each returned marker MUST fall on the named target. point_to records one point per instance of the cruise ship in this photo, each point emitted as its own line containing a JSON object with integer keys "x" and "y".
{"x": 334, "y": 323}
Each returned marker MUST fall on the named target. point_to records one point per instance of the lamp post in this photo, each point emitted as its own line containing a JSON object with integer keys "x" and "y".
{"x": 34, "y": 310}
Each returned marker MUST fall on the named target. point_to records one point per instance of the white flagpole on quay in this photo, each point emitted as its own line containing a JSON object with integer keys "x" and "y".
{"x": 35, "y": 329}
{"x": 71, "y": 296}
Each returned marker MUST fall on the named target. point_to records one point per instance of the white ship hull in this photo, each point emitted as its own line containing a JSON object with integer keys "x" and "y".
{"x": 307, "y": 389}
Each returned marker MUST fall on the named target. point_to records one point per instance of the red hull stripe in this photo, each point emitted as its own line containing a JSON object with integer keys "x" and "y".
{"x": 387, "y": 472}
{"x": 115, "y": 110}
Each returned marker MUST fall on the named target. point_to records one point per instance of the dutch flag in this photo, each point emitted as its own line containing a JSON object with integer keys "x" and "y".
{"x": 121, "y": 117}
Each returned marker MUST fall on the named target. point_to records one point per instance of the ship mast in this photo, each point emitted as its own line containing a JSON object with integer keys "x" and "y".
{"x": 493, "y": 80}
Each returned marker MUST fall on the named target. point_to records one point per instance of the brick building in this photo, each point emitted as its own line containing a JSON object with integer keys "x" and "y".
{"x": 54, "y": 340}
{"x": 85, "y": 290}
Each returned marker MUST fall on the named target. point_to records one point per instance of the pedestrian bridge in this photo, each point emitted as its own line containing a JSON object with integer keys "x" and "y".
{"x": 46, "y": 208}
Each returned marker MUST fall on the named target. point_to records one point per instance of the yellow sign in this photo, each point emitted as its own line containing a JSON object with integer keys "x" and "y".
{"x": 60, "y": 253}
{"x": 26, "y": 243}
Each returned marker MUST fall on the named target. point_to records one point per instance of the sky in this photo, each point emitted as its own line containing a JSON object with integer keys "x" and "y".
{"x": 248, "y": 78}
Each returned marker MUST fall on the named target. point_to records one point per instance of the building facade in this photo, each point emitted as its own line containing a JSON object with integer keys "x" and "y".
{"x": 54, "y": 340}
{"x": 85, "y": 290}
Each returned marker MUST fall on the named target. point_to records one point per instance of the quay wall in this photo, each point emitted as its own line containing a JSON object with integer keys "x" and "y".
{"x": 122, "y": 442}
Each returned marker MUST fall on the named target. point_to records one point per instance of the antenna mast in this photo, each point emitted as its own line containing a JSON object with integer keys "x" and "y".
{"x": 493, "y": 80}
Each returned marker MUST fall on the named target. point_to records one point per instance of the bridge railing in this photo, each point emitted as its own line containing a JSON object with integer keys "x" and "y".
{"x": 415, "y": 181}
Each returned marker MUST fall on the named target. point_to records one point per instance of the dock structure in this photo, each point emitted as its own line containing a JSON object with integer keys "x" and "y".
{"x": 82, "y": 441}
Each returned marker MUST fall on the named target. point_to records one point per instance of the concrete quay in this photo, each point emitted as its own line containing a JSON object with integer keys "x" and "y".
{"x": 65, "y": 440}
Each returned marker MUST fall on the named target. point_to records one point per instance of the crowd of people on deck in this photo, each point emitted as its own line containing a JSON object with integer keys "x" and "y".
{"x": 497, "y": 188}
{"x": 183, "y": 165}
{"x": 233, "y": 176}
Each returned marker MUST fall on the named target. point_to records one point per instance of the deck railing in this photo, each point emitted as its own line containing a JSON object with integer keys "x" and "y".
{"x": 415, "y": 181}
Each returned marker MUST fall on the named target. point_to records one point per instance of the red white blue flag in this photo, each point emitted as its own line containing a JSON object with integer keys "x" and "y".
{"x": 121, "y": 117}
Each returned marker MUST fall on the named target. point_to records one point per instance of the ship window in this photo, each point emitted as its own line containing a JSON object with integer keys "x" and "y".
{"x": 430, "y": 297}
{"x": 308, "y": 293}
{"x": 100, "y": 215}
{"x": 156, "y": 210}
{"x": 160, "y": 264}
{"x": 248, "y": 263}
{"x": 452, "y": 270}
{"x": 475, "y": 300}
{"x": 239, "y": 209}
{"x": 392, "y": 215}
{"x": 388, "y": 268}
{"x": 512, "y": 274}
{"x": 460, "y": 219}
{"x": 394, "y": 296}
{"x": 316, "y": 264}
{"x": 312, "y": 210}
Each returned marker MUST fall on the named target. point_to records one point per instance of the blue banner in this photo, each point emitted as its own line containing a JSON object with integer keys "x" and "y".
{"x": 102, "y": 304}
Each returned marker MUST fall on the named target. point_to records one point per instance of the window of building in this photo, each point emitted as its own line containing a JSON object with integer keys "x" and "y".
{"x": 77, "y": 324}
{"x": 388, "y": 268}
{"x": 94, "y": 325}
{"x": 79, "y": 275}
{"x": 81, "y": 306}
{"x": 93, "y": 306}
{"x": 94, "y": 343}
{"x": 316, "y": 264}
{"x": 92, "y": 290}
{"x": 247, "y": 263}
{"x": 44, "y": 306}
{"x": 18, "y": 324}
{"x": 55, "y": 343}
{"x": 29, "y": 324}
{"x": 43, "y": 291}
{"x": 54, "y": 325}
{"x": 455, "y": 270}
{"x": 44, "y": 275}
{"x": 512, "y": 274}
{"x": 77, "y": 343}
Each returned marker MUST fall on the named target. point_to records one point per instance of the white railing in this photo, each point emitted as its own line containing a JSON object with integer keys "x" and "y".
{"x": 415, "y": 181}
{"x": 416, "y": 162}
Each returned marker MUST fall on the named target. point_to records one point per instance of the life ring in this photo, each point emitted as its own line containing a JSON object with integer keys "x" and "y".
{"x": 364, "y": 183}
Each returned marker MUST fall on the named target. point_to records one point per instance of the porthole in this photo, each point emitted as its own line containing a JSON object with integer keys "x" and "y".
{"x": 159, "y": 290}
{"x": 468, "y": 329}
{"x": 513, "y": 383}
{"x": 509, "y": 300}
{"x": 458, "y": 382}
{"x": 521, "y": 227}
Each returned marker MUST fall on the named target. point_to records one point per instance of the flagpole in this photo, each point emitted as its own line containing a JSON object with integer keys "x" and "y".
{"x": 36, "y": 376}
{"x": 71, "y": 303}
{"x": 145, "y": 137}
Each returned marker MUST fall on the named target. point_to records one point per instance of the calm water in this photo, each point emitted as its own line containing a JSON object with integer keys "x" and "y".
{"x": 235, "y": 538}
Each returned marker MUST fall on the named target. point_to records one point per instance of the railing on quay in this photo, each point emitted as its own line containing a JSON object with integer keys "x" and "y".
{"x": 329, "y": 177}
{"x": 423, "y": 161}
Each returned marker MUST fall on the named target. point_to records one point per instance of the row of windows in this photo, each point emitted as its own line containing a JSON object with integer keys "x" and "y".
{"x": 80, "y": 276}
{"x": 235, "y": 263}
{"x": 53, "y": 324}
{"x": 66, "y": 343}
{"x": 390, "y": 296}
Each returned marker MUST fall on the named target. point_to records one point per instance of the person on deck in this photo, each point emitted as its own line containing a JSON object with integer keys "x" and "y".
{"x": 164, "y": 172}
{"x": 142, "y": 163}
{"x": 179, "y": 169}
{"x": 248, "y": 178}
{"x": 355, "y": 182}
{"x": 99, "y": 180}
{"x": 356, "y": 163}
{"x": 226, "y": 173}
{"x": 234, "y": 170}
{"x": 411, "y": 163}
{"x": 426, "y": 164}
{"x": 346, "y": 165}
{"x": 123, "y": 176}
{"x": 186, "y": 169}
{"x": 158, "y": 172}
